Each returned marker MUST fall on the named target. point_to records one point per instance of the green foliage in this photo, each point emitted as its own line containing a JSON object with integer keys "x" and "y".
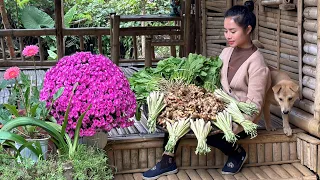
{"x": 88, "y": 163}
{"x": 33, "y": 18}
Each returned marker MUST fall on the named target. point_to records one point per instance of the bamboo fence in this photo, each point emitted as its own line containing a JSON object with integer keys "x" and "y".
{"x": 213, "y": 40}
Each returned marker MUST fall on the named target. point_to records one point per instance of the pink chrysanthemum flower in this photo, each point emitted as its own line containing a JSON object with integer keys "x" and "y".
{"x": 31, "y": 50}
{"x": 100, "y": 83}
{"x": 11, "y": 73}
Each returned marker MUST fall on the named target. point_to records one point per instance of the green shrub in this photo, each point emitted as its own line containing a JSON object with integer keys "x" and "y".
{"x": 88, "y": 163}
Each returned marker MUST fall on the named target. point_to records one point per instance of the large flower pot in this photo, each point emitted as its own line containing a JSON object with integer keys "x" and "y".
{"x": 99, "y": 140}
{"x": 26, "y": 153}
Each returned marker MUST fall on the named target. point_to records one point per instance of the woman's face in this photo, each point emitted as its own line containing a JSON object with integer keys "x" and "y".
{"x": 235, "y": 35}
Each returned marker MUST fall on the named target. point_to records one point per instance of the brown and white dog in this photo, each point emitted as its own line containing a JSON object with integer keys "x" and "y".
{"x": 283, "y": 92}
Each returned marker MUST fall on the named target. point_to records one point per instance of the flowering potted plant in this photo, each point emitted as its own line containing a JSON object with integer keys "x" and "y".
{"x": 24, "y": 102}
{"x": 100, "y": 83}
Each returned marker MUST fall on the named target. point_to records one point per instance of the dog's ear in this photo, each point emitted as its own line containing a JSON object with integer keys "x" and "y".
{"x": 294, "y": 87}
{"x": 276, "y": 88}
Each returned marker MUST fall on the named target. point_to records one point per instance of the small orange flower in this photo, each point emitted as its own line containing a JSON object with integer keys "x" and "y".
{"x": 11, "y": 73}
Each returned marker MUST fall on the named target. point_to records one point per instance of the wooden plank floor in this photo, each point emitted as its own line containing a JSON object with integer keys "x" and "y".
{"x": 294, "y": 171}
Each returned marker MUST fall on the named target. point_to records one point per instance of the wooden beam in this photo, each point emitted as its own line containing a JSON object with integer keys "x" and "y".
{"x": 198, "y": 26}
{"x": 58, "y": 11}
{"x": 187, "y": 26}
{"x": 300, "y": 42}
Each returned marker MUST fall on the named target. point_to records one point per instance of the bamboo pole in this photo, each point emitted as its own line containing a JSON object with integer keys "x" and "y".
{"x": 308, "y": 93}
{"x": 221, "y": 10}
{"x": 267, "y": 41}
{"x": 214, "y": 32}
{"x": 289, "y": 57}
{"x": 289, "y": 29}
{"x": 310, "y": 59}
{"x": 310, "y": 3}
{"x": 309, "y": 71}
{"x": 204, "y": 28}
{"x": 268, "y": 31}
{"x": 215, "y": 37}
{"x": 268, "y": 14}
{"x": 267, "y": 19}
{"x": 267, "y": 24}
{"x": 289, "y": 36}
{"x": 317, "y": 99}
{"x": 300, "y": 42}
{"x": 268, "y": 51}
{"x": 289, "y": 42}
{"x": 213, "y": 14}
{"x": 210, "y": 26}
{"x": 310, "y": 13}
{"x": 284, "y": 45}
{"x": 229, "y": 4}
{"x": 289, "y": 51}
{"x": 58, "y": 11}
{"x": 187, "y": 26}
{"x": 219, "y": 4}
{"x": 271, "y": 2}
{"x": 215, "y": 23}
{"x": 290, "y": 18}
{"x": 310, "y": 37}
{"x": 310, "y": 25}
{"x": 197, "y": 26}
{"x": 289, "y": 23}
{"x": 309, "y": 82}
{"x": 310, "y": 48}
{"x": 278, "y": 38}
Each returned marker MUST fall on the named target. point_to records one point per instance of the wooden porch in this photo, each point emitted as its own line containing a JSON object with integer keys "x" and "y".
{"x": 290, "y": 171}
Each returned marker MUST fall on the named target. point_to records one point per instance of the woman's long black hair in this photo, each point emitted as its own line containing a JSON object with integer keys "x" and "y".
{"x": 243, "y": 16}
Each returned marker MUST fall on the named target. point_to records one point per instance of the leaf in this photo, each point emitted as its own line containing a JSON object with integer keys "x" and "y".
{"x": 13, "y": 110}
{"x": 52, "y": 55}
{"x": 25, "y": 121}
{"x": 34, "y": 18}
{"x": 27, "y": 98}
{"x": 68, "y": 17}
{"x": 3, "y": 85}
{"x": 33, "y": 110}
{"x": 58, "y": 93}
{"x": 5, "y": 135}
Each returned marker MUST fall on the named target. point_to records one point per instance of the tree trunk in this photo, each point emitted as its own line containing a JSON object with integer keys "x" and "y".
{"x": 6, "y": 25}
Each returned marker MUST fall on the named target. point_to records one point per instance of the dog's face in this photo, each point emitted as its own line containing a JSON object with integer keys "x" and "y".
{"x": 286, "y": 93}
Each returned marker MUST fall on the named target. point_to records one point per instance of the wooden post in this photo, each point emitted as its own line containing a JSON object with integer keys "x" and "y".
{"x": 6, "y": 25}
{"x": 148, "y": 58}
{"x": 21, "y": 47}
{"x": 187, "y": 27}
{"x": 204, "y": 27}
{"x": 115, "y": 39}
{"x": 135, "y": 48}
{"x": 58, "y": 11}
{"x": 300, "y": 42}
{"x": 317, "y": 95}
{"x": 100, "y": 44}
{"x": 198, "y": 25}
{"x": 111, "y": 32}
{"x": 40, "y": 49}
{"x": 3, "y": 49}
{"x": 81, "y": 43}
{"x": 229, "y": 4}
{"x": 278, "y": 39}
